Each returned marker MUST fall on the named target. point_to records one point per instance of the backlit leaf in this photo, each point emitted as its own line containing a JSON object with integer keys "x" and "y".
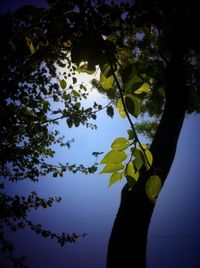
{"x": 138, "y": 161}
{"x": 114, "y": 157}
{"x": 132, "y": 172}
{"x": 153, "y": 187}
{"x": 105, "y": 82}
{"x": 133, "y": 83}
{"x": 145, "y": 87}
{"x": 85, "y": 69}
{"x": 106, "y": 70}
{"x": 114, "y": 178}
{"x": 120, "y": 144}
{"x": 111, "y": 168}
{"x": 120, "y": 108}
{"x": 132, "y": 105}
{"x": 149, "y": 157}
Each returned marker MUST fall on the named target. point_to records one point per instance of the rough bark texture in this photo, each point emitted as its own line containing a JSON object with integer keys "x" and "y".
{"x": 127, "y": 245}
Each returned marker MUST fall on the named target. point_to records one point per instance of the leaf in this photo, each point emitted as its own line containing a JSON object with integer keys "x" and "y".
{"x": 132, "y": 172}
{"x": 149, "y": 157}
{"x": 131, "y": 182}
{"x": 69, "y": 123}
{"x": 75, "y": 93}
{"x": 31, "y": 46}
{"x": 111, "y": 168}
{"x": 125, "y": 53}
{"x": 120, "y": 108}
{"x": 85, "y": 69}
{"x": 133, "y": 82}
{"x": 120, "y": 144}
{"x": 143, "y": 146}
{"x": 132, "y": 105}
{"x": 145, "y": 87}
{"x": 114, "y": 157}
{"x": 131, "y": 134}
{"x": 114, "y": 178}
{"x": 106, "y": 70}
{"x": 74, "y": 79}
{"x": 110, "y": 111}
{"x": 105, "y": 82}
{"x": 138, "y": 161}
{"x": 153, "y": 187}
{"x": 63, "y": 84}
{"x": 128, "y": 74}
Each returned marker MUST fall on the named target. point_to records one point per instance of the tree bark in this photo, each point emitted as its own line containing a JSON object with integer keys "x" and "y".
{"x": 128, "y": 240}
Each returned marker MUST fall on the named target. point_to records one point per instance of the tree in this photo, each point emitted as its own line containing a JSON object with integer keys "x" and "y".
{"x": 30, "y": 90}
{"x": 148, "y": 54}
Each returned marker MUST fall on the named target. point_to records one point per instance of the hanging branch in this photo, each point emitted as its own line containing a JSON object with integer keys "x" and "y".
{"x": 124, "y": 105}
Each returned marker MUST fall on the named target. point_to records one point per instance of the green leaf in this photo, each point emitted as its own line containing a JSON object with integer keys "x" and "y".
{"x": 114, "y": 178}
{"x": 106, "y": 70}
{"x": 128, "y": 74}
{"x": 85, "y": 69}
{"x": 149, "y": 157}
{"x": 133, "y": 83}
{"x": 120, "y": 108}
{"x": 110, "y": 111}
{"x": 114, "y": 157}
{"x": 75, "y": 93}
{"x": 153, "y": 187}
{"x": 138, "y": 161}
{"x": 143, "y": 146}
{"x": 131, "y": 182}
{"x": 131, "y": 134}
{"x": 111, "y": 168}
{"x": 132, "y": 105}
{"x": 74, "y": 79}
{"x": 132, "y": 172}
{"x": 105, "y": 82}
{"x": 69, "y": 123}
{"x": 145, "y": 87}
{"x": 120, "y": 144}
{"x": 63, "y": 84}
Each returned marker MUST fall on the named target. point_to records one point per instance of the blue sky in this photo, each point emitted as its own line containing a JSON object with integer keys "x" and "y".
{"x": 88, "y": 205}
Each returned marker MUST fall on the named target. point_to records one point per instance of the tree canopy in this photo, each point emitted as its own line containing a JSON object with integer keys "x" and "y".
{"x": 132, "y": 45}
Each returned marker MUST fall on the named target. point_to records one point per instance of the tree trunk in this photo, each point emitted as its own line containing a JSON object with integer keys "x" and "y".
{"x": 127, "y": 245}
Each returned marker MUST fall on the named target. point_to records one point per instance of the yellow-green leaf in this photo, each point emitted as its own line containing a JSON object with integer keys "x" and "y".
{"x": 111, "y": 168}
{"x": 153, "y": 187}
{"x": 133, "y": 81}
{"x": 114, "y": 178}
{"x": 106, "y": 70}
{"x": 114, "y": 157}
{"x": 143, "y": 146}
{"x": 132, "y": 105}
{"x": 132, "y": 172}
{"x": 120, "y": 144}
{"x": 63, "y": 84}
{"x": 85, "y": 69}
{"x": 138, "y": 161}
{"x": 149, "y": 157}
{"x": 105, "y": 82}
{"x": 120, "y": 108}
{"x": 145, "y": 87}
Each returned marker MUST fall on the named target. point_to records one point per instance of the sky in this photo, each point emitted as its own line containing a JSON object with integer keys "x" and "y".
{"x": 89, "y": 206}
